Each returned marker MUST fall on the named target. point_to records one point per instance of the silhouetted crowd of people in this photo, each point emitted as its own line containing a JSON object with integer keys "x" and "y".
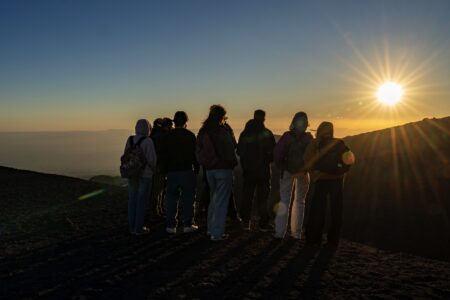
{"x": 162, "y": 163}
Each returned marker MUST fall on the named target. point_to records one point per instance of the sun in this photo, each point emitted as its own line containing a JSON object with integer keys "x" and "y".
{"x": 390, "y": 93}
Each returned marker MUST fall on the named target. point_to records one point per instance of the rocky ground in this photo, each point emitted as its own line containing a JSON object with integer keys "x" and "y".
{"x": 54, "y": 245}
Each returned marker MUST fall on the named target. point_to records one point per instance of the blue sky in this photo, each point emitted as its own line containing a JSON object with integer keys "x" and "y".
{"x": 93, "y": 65}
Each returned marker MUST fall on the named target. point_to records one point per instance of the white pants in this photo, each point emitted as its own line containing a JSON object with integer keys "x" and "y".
{"x": 287, "y": 183}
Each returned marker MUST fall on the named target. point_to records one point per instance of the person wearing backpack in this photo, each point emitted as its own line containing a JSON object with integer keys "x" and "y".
{"x": 179, "y": 162}
{"x": 255, "y": 149}
{"x": 216, "y": 153}
{"x": 137, "y": 165}
{"x": 288, "y": 157}
{"x": 202, "y": 208}
{"x": 328, "y": 159}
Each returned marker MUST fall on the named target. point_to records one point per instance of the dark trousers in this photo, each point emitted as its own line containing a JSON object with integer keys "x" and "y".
{"x": 157, "y": 194}
{"x": 254, "y": 198}
{"x": 317, "y": 211}
{"x": 180, "y": 186}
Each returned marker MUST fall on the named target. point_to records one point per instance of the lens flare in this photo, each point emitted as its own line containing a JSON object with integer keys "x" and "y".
{"x": 280, "y": 209}
{"x": 92, "y": 194}
{"x": 348, "y": 158}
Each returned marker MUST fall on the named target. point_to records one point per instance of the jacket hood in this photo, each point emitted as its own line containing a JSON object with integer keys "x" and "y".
{"x": 143, "y": 127}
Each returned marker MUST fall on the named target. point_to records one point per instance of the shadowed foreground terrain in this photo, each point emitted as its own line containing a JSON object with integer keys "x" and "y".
{"x": 54, "y": 245}
{"x": 397, "y": 195}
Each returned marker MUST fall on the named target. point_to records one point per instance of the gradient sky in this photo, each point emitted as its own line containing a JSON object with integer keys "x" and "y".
{"x": 94, "y": 65}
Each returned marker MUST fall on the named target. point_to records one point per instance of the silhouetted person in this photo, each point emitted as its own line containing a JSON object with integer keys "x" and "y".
{"x": 329, "y": 159}
{"x": 205, "y": 199}
{"x": 255, "y": 149}
{"x": 161, "y": 127}
{"x": 167, "y": 124}
{"x": 155, "y": 194}
{"x": 216, "y": 152}
{"x": 288, "y": 157}
{"x": 232, "y": 211}
{"x": 179, "y": 161}
{"x": 139, "y": 186}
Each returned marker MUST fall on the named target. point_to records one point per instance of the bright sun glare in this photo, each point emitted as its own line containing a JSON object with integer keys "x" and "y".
{"x": 390, "y": 93}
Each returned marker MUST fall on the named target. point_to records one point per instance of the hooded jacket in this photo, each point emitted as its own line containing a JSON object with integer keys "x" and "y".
{"x": 143, "y": 129}
{"x": 282, "y": 147}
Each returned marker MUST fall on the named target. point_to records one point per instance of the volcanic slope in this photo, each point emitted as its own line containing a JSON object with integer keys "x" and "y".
{"x": 397, "y": 195}
{"x": 67, "y": 238}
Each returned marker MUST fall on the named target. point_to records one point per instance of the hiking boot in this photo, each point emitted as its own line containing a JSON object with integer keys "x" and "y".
{"x": 171, "y": 230}
{"x": 191, "y": 228}
{"x": 245, "y": 225}
{"x": 312, "y": 244}
{"x": 296, "y": 236}
{"x": 253, "y": 226}
{"x": 265, "y": 228}
{"x": 332, "y": 245}
{"x": 278, "y": 236}
{"x": 220, "y": 238}
{"x": 145, "y": 230}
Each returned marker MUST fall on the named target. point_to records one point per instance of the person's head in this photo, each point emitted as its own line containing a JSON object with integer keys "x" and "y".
{"x": 250, "y": 125}
{"x": 180, "y": 119}
{"x": 158, "y": 123}
{"x": 325, "y": 130}
{"x": 167, "y": 124}
{"x": 299, "y": 122}
{"x": 143, "y": 127}
{"x": 216, "y": 115}
{"x": 259, "y": 115}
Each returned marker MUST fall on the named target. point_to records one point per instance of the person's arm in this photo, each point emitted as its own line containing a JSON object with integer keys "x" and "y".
{"x": 150, "y": 154}
{"x": 280, "y": 150}
{"x": 195, "y": 163}
{"x": 231, "y": 132}
{"x": 241, "y": 145}
{"x": 127, "y": 144}
{"x": 270, "y": 145}
{"x": 310, "y": 155}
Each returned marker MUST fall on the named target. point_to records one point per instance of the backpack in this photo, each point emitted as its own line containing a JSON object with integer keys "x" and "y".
{"x": 294, "y": 161}
{"x": 133, "y": 161}
{"x": 205, "y": 152}
{"x": 330, "y": 160}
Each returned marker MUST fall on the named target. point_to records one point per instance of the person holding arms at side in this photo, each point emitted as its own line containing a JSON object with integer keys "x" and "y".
{"x": 216, "y": 152}
{"x": 139, "y": 150}
{"x": 288, "y": 158}
{"x": 179, "y": 162}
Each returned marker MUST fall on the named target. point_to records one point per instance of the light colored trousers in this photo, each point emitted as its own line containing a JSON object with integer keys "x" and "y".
{"x": 300, "y": 182}
{"x": 220, "y": 184}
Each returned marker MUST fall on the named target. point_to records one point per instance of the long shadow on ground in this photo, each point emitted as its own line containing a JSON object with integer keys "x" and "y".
{"x": 248, "y": 265}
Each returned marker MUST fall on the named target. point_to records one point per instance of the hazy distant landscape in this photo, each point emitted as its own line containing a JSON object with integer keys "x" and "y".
{"x": 82, "y": 154}
{"x": 78, "y": 153}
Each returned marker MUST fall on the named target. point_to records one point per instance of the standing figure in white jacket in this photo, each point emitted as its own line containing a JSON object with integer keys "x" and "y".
{"x": 139, "y": 187}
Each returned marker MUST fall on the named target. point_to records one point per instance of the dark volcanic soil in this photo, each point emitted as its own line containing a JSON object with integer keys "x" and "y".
{"x": 190, "y": 266}
{"x": 56, "y": 246}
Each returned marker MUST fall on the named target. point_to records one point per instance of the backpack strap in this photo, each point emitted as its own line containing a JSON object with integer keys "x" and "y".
{"x": 140, "y": 140}
{"x": 130, "y": 141}
{"x": 132, "y": 144}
